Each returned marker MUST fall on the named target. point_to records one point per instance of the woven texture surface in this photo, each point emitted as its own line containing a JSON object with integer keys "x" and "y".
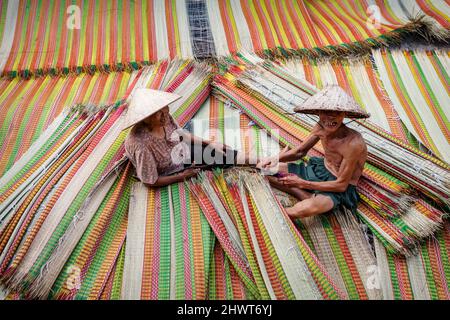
{"x": 75, "y": 224}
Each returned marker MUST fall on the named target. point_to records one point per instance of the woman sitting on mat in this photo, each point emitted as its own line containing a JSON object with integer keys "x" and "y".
{"x": 160, "y": 150}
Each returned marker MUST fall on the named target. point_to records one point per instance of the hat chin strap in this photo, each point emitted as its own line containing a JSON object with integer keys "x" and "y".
{"x": 293, "y": 113}
{"x": 349, "y": 121}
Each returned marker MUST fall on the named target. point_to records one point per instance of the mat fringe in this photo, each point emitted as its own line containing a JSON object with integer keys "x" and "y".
{"x": 420, "y": 26}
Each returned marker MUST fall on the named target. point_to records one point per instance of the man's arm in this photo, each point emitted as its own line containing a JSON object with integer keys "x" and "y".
{"x": 300, "y": 151}
{"x": 340, "y": 184}
{"x": 293, "y": 154}
{"x": 346, "y": 170}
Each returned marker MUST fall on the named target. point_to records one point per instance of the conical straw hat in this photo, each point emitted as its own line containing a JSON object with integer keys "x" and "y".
{"x": 332, "y": 98}
{"x": 144, "y": 103}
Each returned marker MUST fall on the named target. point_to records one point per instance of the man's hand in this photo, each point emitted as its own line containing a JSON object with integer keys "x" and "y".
{"x": 293, "y": 180}
{"x": 270, "y": 162}
{"x": 285, "y": 150}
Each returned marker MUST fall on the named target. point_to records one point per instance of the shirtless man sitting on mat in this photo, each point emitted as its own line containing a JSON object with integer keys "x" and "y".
{"x": 323, "y": 184}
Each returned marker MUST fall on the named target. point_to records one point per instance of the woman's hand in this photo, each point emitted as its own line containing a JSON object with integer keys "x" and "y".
{"x": 270, "y": 162}
{"x": 189, "y": 173}
{"x": 267, "y": 163}
{"x": 219, "y": 146}
{"x": 293, "y": 180}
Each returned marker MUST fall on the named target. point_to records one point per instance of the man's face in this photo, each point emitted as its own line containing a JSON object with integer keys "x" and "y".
{"x": 331, "y": 120}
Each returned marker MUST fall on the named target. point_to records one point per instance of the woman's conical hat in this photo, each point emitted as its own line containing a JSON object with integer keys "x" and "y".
{"x": 332, "y": 98}
{"x": 144, "y": 103}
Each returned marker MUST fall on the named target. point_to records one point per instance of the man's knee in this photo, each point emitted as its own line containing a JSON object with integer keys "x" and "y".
{"x": 311, "y": 207}
{"x": 301, "y": 209}
{"x": 309, "y": 210}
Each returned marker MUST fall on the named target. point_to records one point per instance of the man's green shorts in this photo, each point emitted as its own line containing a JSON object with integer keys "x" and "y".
{"x": 315, "y": 170}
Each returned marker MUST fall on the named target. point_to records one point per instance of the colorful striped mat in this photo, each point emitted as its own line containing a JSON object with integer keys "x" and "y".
{"x": 400, "y": 12}
{"x": 66, "y": 37}
{"x": 169, "y": 245}
{"x": 288, "y": 27}
{"x": 27, "y": 107}
{"x": 86, "y": 272}
{"x": 224, "y": 282}
{"x": 418, "y": 84}
{"x": 342, "y": 247}
{"x": 422, "y": 276}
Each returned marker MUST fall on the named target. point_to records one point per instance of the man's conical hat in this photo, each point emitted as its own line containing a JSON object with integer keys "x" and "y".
{"x": 332, "y": 98}
{"x": 144, "y": 103}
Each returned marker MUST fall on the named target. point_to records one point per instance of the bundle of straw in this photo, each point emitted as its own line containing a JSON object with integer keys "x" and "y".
{"x": 261, "y": 242}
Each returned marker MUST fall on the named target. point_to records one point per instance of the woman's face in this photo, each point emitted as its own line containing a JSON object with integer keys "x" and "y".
{"x": 158, "y": 119}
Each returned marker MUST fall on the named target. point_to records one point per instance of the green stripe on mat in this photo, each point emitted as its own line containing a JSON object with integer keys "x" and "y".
{"x": 429, "y": 273}
{"x": 305, "y": 234}
{"x": 118, "y": 276}
{"x": 65, "y": 125}
{"x": 180, "y": 292}
{"x": 394, "y": 278}
{"x": 164, "y": 259}
{"x": 191, "y": 244}
{"x": 273, "y": 255}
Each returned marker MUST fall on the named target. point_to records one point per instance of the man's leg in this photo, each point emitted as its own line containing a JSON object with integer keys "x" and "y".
{"x": 296, "y": 192}
{"x": 311, "y": 207}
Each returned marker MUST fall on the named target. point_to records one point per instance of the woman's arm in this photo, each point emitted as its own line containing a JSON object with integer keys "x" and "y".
{"x": 181, "y": 176}
{"x": 190, "y": 138}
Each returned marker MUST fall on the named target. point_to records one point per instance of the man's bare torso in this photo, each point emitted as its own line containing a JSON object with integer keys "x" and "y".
{"x": 348, "y": 145}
